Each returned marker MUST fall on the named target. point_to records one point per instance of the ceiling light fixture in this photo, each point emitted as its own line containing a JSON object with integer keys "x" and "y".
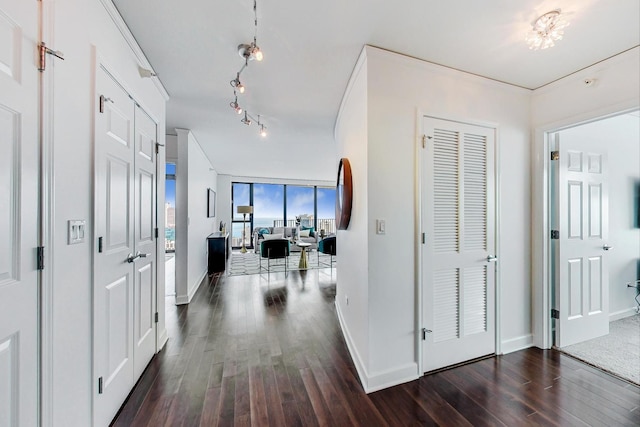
{"x": 237, "y": 84}
{"x": 546, "y": 30}
{"x": 245, "y": 120}
{"x": 248, "y": 52}
{"x": 235, "y": 106}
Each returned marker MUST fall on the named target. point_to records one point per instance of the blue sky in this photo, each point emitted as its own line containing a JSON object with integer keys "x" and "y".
{"x": 268, "y": 199}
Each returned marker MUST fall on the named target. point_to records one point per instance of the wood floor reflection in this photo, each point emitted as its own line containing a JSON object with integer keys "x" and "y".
{"x": 252, "y": 350}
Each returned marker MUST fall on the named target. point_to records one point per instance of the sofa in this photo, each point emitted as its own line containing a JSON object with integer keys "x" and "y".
{"x": 289, "y": 233}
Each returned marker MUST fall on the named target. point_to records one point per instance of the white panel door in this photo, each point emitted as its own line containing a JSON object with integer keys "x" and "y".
{"x": 582, "y": 286}
{"x": 115, "y": 278}
{"x": 18, "y": 213}
{"x": 144, "y": 298}
{"x": 459, "y": 252}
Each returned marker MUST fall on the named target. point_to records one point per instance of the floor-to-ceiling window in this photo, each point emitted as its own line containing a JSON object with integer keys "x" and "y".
{"x": 268, "y": 204}
{"x": 278, "y": 205}
{"x": 170, "y": 229}
{"x": 241, "y": 195}
{"x": 300, "y": 205}
{"x": 326, "y": 210}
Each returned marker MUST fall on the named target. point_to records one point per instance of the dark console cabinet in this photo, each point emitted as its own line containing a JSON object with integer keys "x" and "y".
{"x": 217, "y": 252}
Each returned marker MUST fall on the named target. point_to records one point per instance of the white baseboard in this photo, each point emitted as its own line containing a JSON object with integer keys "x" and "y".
{"x": 353, "y": 351}
{"x": 162, "y": 340}
{"x": 182, "y": 299}
{"x": 380, "y": 380}
{"x": 622, "y": 314}
{"x": 392, "y": 377}
{"x": 516, "y": 344}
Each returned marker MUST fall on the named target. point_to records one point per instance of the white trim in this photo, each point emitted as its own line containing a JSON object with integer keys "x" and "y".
{"x": 541, "y": 304}
{"x": 162, "y": 340}
{"x": 133, "y": 44}
{"x": 516, "y": 344}
{"x": 353, "y": 350}
{"x": 180, "y": 300}
{"x": 621, "y": 314}
{"x": 362, "y": 59}
{"x": 47, "y": 212}
{"x": 392, "y": 377}
{"x": 419, "y": 306}
{"x": 379, "y": 380}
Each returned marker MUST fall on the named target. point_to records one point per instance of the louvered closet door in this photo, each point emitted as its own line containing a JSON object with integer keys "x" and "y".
{"x": 459, "y": 222}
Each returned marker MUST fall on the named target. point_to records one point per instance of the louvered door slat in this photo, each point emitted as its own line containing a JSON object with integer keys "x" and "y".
{"x": 446, "y": 218}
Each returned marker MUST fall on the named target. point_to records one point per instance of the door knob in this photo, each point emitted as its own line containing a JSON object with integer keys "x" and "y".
{"x": 491, "y": 258}
{"x": 607, "y": 247}
{"x": 131, "y": 258}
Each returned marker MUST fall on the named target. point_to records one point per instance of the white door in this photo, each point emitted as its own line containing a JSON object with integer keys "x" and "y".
{"x": 18, "y": 213}
{"x": 114, "y": 279}
{"x": 144, "y": 297}
{"x": 582, "y": 286}
{"x": 458, "y": 261}
{"x": 125, "y": 259}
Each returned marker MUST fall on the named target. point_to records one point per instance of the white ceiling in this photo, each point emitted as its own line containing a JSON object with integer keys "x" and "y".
{"x": 311, "y": 47}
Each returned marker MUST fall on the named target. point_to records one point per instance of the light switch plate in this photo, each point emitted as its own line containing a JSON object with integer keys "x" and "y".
{"x": 76, "y": 230}
{"x": 381, "y": 227}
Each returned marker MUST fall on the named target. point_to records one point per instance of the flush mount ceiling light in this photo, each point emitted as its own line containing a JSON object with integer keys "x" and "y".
{"x": 546, "y": 30}
{"x": 248, "y": 52}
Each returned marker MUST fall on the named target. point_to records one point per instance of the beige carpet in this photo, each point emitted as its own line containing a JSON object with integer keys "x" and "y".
{"x": 618, "y": 352}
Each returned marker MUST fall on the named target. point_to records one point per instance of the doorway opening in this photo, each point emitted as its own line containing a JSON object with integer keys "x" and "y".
{"x": 594, "y": 256}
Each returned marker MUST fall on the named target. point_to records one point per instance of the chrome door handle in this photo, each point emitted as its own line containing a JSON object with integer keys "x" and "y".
{"x": 607, "y": 247}
{"x": 131, "y": 258}
{"x": 491, "y": 258}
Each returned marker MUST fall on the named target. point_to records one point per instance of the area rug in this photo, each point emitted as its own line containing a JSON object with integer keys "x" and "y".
{"x": 618, "y": 352}
{"x": 249, "y": 263}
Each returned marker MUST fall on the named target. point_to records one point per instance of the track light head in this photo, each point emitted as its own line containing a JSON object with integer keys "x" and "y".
{"x": 263, "y": 131}
{"x": 237, "y": 84}
{"x": 250, "y": 52}
{"x": 236, "y": 107}
{"x": 245, "y": 120}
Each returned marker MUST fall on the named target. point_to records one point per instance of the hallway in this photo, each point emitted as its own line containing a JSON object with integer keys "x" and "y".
{"x": 251, "y": 352}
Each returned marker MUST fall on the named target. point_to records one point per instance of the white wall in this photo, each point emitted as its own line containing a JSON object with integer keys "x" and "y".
{"x": 80, "y": 29}
{"x": 558, "y": 105}
{"x": 399, "y": 91}
{"x": 621, "y": 137}
{"x": 353, "y": 273}
{"x": 194, "y": 175}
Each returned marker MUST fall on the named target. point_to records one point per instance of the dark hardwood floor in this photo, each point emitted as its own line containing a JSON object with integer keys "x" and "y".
{"x": 248, "y": 351}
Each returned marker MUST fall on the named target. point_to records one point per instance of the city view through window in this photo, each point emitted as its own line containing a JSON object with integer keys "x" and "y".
{"x": 274, "y": 205}
{"x": 278, "y": 205}
{"x": 170, "y": 209}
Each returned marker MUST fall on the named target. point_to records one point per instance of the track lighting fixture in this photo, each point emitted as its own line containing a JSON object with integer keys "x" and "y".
{"x": 237, "y": 84}
{"x": 249, "y": 52}
{"x": 236, "y": 107}
{"x": 245, "y": 120}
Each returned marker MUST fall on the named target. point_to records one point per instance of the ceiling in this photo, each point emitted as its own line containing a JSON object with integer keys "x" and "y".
{"x": 310, "y": 49}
